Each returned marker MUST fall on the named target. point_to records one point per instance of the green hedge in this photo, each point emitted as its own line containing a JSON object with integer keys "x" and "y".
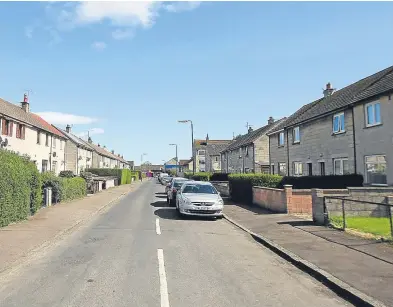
{"x": 20, "y": 188}
{"x": 240, "y": 185}
{"x": 202, "y": 176}
{"x": 67, "y": 174}
{"x": 64, "y": 189}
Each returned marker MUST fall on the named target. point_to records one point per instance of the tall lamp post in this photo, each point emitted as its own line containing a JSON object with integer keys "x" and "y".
{"x": 177, "y": 160}
{"x": 192, "y": 140}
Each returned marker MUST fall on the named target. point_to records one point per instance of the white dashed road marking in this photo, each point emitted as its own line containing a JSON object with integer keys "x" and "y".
{"x": 163, "y": 282}
{"x": 158, "y": 229}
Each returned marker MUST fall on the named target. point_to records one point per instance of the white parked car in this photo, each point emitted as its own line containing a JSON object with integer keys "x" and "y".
{"x": 199, "y": 198}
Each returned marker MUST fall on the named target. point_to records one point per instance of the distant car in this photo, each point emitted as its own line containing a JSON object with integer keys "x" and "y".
{"x": 199, "y": 198}
{"x": 160, "y": 176}
{"x": 175, "y": 185}
{"x": 166, "y": 181}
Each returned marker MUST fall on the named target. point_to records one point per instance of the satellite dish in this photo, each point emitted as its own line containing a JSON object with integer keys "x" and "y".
{"x": 5, "y": 143}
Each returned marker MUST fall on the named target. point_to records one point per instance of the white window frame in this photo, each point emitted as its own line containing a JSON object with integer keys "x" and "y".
{"x": 297, "y": 168}
{"x": 279, "y": 139}
{"x": 200, "y": 152}
{"x": 341, "y": 160}
{"x": 296, "y": 141}
{"x": 373, "y": 104}
{"x": 341, "y": 122}
{"x": 366, "y": 173}
{"x": 279, "y": 168}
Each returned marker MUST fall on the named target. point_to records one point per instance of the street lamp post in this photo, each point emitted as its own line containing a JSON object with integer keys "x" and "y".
{"x": 192, "y": 140}
{"x": 177, "y": 159}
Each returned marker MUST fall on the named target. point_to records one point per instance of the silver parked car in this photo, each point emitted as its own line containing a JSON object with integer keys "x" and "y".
{"x": 199, "y": 198}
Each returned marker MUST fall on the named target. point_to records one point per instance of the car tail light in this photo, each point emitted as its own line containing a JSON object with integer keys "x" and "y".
{"x": 174, "y": 190}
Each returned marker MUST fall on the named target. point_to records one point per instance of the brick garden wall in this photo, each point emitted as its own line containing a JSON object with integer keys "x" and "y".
{"x": 301, "y": 202}
{"x": 271, "y": 199}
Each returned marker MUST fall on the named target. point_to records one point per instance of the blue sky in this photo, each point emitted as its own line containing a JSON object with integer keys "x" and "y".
{"x": 129, "y": 71}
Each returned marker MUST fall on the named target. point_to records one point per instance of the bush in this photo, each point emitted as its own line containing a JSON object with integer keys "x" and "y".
{"x": 20, "y": 188}
{"x": 219, "y": 177}
{"x": 323, "y": 182}
{"x": 240, "y": 185}
{"x": 124, "y": 175}
{"x": 64, "y": 189}
{"x": 67, "y": 174}
{"x": 202, "y": 176}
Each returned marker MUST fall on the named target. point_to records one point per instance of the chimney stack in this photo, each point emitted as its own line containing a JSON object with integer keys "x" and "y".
{"x": 113, "y": 152}
{"x": 207, "y": 137}
{"x": 249, "y": 129}
{"x": 270, "y": 120}
{"x": 104, "y": 147}
{"x": 90, "y": 140}
{"x": 68, "y": 129}
{"x": 25, "y": 104}
{"x": 98, "y": 145}
{"x": 328, "y": 91}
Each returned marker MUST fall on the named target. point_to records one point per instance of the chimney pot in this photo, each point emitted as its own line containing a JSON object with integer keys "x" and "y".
{"x": 249, "y": 129}
{"x": 98, "y": 145}
{"x": 329, "y": 90}
{"x": 68, "y": 128}
{"x": 270, "y": 120}
{"x": 113, "y": 152}
{"x": 25, "y": 104}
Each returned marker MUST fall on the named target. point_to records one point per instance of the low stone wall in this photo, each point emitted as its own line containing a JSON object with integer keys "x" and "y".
{"x": 271, "y": 199}
{"x": 222, "y": 187}
{"x": 325, "y": 207}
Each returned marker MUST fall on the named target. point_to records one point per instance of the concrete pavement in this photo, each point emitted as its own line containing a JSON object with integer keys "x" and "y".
{"x": 139, "y": 253}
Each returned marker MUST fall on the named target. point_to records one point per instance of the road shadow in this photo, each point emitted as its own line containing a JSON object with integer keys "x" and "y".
{"x": 160, "y": 193}
{"x": 159, "y": 204}
{"x": 171, "y": 213}
{"x": 297, "y": 223}
{"x": 161, "y": 196}
{"x": 252, "y": 208}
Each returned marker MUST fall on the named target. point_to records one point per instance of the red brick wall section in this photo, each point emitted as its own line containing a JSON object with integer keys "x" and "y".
{"x": 271, "y": 199}
{"x": 300, "y": 202}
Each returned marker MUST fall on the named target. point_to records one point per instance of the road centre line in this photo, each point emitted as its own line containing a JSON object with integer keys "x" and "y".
{"x": 163, "y": 281}
{"x": 158, "y": 229}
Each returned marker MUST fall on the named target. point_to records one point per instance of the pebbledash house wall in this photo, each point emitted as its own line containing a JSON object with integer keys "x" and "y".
{"x": 318, "y": 143}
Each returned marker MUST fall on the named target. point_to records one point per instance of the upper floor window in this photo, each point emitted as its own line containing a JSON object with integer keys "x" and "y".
{"x": 38, "y": 137}
{"x": 201, "y": 152}
{"x": 247, "y": 151}
{"x": 296, "y": 135}
{"x": 7, "y": 127}
{"x": 373, "y": 114}
{"x": 20, "y": 131}
{"x": 281, "y": 139}
{"x": 61, "y": 144}
{"x": 339, "y": 123}
{"x": 47, "y": 139}
{"x": 53, "y": 142}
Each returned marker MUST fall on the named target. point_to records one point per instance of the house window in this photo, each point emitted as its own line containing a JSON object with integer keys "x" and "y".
{"x": 309, "y": 168}
{"x": 339, "y": 123}
{"x": 38, "y": 137}
{"x": 53, "y": 142}
{"x": 246, "y": 151}
{"x": 282, "y": 169}
{"x": 201, "y": 152}
{"x": 322, "y": 168}
{"x": 340, "y": 166}
{"x": 7, "y": 127}
{"x": 373, "y": 114}
{"x": 376, "y": 169}
{"x": 44, "y": 166}
{"x": 20, "y": 131}
{"x": 297, "y": 168}
{"x": 54, "y": 166}
{"x": 296, "y": 135}
{"x": 272, "y": 169}
{"x": 47, "y": 139}
{"x": 61, "y": 144}
{"x": 281, "y": 139}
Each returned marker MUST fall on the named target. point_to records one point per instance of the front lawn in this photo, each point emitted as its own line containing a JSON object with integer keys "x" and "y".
{"x": 374, "y": 225}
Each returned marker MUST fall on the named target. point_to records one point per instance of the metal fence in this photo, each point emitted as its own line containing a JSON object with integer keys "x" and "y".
{"x": 364, "y": 216}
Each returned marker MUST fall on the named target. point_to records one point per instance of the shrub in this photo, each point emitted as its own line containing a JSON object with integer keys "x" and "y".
{"x": 20, "y": 188}
{"x": 67, "y": 174}
{"x": 202, "y": 176}
{"x": 124, "y": 175}
{"x": 219, "y": 177}
{"x": 240, "y": 185}
{"x": 323, "y": 182}
{"x": 64, "y": 189}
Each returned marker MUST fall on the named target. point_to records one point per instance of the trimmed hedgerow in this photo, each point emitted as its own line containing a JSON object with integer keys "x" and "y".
{"x": 124, "y": 175}
{"x": 240, "y": 185}
{"x": 64, "y": 189}
{"x": 20, "y": 188}
{"x": 323, "y": 182}
{"x": 219, "y": 177}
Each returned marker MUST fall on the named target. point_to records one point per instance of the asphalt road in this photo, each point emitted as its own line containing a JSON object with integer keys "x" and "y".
{"x": 140, "y": 254}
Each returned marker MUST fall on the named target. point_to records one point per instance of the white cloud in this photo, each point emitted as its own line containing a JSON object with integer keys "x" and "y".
{"x": 90, "y": 132}
{"x": 120, "y": 34}
{"x": 181, "y": 6}
{"x": 57, "y": 118}
{"x": 99, "y": 45}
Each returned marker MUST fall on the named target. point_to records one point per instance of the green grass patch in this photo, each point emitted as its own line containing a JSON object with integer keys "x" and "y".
{"x": 379, "y": 226}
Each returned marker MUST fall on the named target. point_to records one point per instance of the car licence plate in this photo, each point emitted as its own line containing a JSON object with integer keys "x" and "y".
{"x": 203, "y": 208}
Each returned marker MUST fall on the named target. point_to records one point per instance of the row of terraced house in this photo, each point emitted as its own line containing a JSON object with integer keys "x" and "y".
{"x": 345, "y": 131}
{"x": 51, "y": 148}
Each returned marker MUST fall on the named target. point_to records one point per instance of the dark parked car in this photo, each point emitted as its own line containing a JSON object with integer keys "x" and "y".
{"x": 175, "y": 185}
